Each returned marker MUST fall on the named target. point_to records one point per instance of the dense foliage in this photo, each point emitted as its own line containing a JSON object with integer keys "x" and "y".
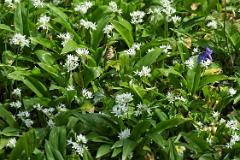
{"x": 122, "y": 79}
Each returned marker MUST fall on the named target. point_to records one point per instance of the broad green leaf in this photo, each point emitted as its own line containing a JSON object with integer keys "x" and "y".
{"x": 128, "y": 147}
{"x": 211, "y": 79}
{"x": 103, "y": 150}
{"x": 71, "y": 46}
{"x": 171, "y": 123}
{"x": 36, "y": 86}
{"x": 140, "y": 128}
{"x": 91, "y": 73}
{"x": 18, "y": 19}
{"x": 148, "y": 59}
{"x": 45, "y": 57}
{"x": 48, "y": 151}
{"x": 44, "y": 42}
{"x": 97, "y": 35}
{"x": 24, "y": 146}
{"x": 193, "y": 79}
{"x": 7, "y": 116}
{"x": 5, "y": 27}
{"x": 124, "y": 31}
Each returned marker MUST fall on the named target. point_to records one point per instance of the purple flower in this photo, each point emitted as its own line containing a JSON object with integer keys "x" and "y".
{"x": 207, "y": 54}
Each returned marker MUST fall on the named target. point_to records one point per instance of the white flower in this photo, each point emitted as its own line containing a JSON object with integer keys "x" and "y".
{"x": 120, "y": 110}
{"x": 137, "y": 17}
{"x": 28, "y": 122}
{"x": 56, "y": 2}
{"x": 195, "y": 50}
{"x": 124, "y": 98}
{"x": 222, "y": 121}
{"x": 43, "y": 22}
{"x": 176, "y": 19}
{"x": 19, "y": 39}
{"x": 17, "y": 92}
{"x": 142, "y": 108}
{"x": 70, "y": 87}
{"x": 12, "y": 3}
{"x": 114, "y": 8}
{"x": 234, "y": 138}
{"x": 50, "y": 123}
{"x": 145, "y": 72}
{"x": 229, "y": 145}
{"x": 166, "y": 48}
{"x": 212, "y": 24}
{"x": 132, "y": 51}
{"x": 232, "y": 124}
{"x": 124, "y": 134}
{"x": 81, "y": 139}
{"x": 167, "y": 7}
{"x": 65, "y": 37}
{"x": 84, "y": 7}
{"x": 71, "y": 62}
{"x": 209, "y": 140}
{"x": 232, "y": 91}
{"x": 48, "y": 111}
{"x": 88, "y": 24}
{"x": 23, "y": 114}
{"x": 170, "y": 97}
{"x": 180, "y": 98}
{"x": 215, "y": 115}
{"x": 108, "y": 29}
{"x": 38, "y": 107}
{"x": 61, "y": 107}
{"x": 87, "y": 94}
{"x": 206, "y": 63}
{"x": 190, "y": 62}
{"x": 82, "y": 51}
{"x": 16, "y": 104}
{"x": 11, "y": 143}
{"x": 38, "y": 3}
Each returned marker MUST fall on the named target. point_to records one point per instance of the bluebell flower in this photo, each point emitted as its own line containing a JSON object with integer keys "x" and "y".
{"x": 207, "y": 54}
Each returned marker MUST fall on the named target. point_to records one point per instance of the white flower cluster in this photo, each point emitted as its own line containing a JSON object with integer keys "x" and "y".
{"x": 71, "y": 62}
{"x": 47, "y": 111}
{"x": 61, "y": 107}
{"x": 20, "y": 40}
{"x": 88, "y": 24}
{"x": 112, "y": 6}
{"x": 167, "y": 7}
{"x": 121, "y": 108}
{"x": 124, "y": 134}
{"x": 212, "y": 24}
{"x": 175, "y": 19}
{"x": 38, "y": 3}
{"x": 87, "y": 94}
{"x": 166, "y": 48}
{"x": 234, "y": 138}
{"x": 108, "y": 29}
{"x": 141, "y": 108}
{"x": 65, "y": 37}
{"x": 171, "y": 97}
{"x": 82, "y": 51}
{"x": 232, "y": 124}
{"x": 132, "y": 51}
{"x": 17, "y": 92}
{"x": 43, "y": 22}
{"x": 206, "y": 63}
{"x": 137, "y": 17}
{"x": 16, "y": 104}
{"x": 83, "y": 7}
{"x": 80, "y": 145}
{"x": 12, "y": 3}
{"x": 232, "y": 91}
{"x": 25, "y": 117}
{"x": 190, "y": 62}
{"x": 11, "y": 143}
{"x": 145, "y": 72}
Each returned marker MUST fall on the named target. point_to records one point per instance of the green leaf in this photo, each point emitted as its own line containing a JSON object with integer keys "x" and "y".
{"x": 18, "y": 19}
{"x": 161, "y": 126}
{"x": 71, "y": 46}
{"x": 148, "y": 59}
{"x": 36, "y": 86}
{"x": 57, "y": 11}
{"x": 124, "y": 30}
{"x": 97, "y": 35}
{"x": 91, "y": 73}
{"x": 48, "y": 151}
{"x": 140, "y": 128}
{"x": 24, "y": 146}
{"x": 128, "y": 147}
{"x": 193, "y": 79}
{"x": 103, "y": 150}
{"x": 44, "y": 42}
{"x": 45, "y": 57}
{"x": 6, "y": 27}
{"x": 209, "y": 79}
{"x": 7, "y": 116}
